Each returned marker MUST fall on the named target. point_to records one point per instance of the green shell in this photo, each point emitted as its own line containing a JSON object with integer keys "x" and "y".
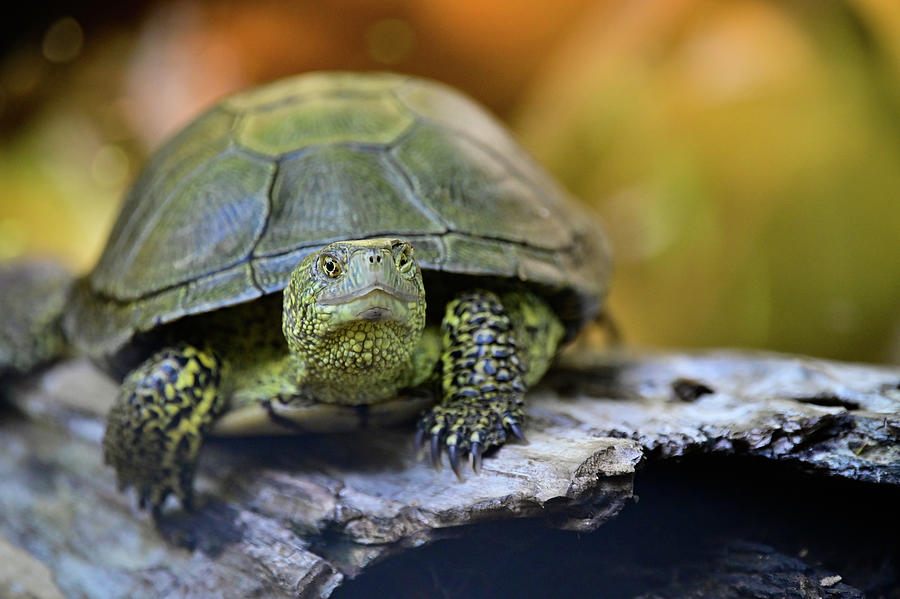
{"x": 228, "y": 207}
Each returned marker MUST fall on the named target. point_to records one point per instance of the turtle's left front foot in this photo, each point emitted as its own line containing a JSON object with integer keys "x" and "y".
{"x": 470, "y": 426}
{"x": 483, "y": 382}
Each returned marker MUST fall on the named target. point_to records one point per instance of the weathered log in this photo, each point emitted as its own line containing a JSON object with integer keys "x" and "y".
{"x": 740, "y": 570}
{"x": 295, "y": 516}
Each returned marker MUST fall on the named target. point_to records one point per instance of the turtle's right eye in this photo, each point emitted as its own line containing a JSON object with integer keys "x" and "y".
{"x": 330, "y": 265}
{"x": 403, "y": 257}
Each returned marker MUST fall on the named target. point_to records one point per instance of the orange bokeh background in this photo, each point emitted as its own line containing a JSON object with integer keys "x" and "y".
{"x": 743, "y": 155}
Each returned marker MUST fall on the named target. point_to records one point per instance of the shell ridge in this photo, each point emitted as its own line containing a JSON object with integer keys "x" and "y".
{"x": 265, "y": 227}
{"x": 398, "y": 169}
{"x": 485, "y": 208}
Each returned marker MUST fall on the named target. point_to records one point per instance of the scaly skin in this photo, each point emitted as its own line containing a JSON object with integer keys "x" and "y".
{"x": 493, "y": 349}
{"x": 354, "y": 325}
{"x": 155, "y": 429}
{"x": 348, "y": 359}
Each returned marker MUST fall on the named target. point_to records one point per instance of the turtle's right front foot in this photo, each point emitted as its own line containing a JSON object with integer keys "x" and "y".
{"x": 155, "y": 429}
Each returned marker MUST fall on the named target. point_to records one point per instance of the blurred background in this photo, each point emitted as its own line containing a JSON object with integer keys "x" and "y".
{"x": 745, "y": 155}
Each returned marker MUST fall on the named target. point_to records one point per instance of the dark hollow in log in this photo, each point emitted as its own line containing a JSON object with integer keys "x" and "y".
{"x": 297, "y": 516}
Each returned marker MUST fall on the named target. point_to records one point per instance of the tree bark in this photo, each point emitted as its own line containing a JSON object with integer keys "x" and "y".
{"x": 296, "y": 516}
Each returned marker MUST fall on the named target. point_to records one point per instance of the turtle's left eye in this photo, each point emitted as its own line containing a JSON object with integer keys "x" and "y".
{"x": 403, "y": 258}
{"x": 330, "y": 265}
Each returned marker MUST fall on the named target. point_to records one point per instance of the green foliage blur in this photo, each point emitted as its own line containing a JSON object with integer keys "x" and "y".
{"x": 745, "y": 157}
{"x": 744, "y": 154}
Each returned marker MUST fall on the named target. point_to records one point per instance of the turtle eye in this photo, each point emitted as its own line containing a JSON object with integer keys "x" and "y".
{"x": 403, "y": 258}
{"x": 330, "y": 265}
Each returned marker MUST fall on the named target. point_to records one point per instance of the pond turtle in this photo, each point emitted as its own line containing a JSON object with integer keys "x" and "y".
{"x": 268, "y": 273}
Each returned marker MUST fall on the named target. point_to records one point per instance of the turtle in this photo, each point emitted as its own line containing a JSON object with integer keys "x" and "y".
{"x": 269, "y": 269}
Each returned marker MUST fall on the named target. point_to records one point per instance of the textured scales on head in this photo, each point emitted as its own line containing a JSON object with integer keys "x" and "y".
{"x": 354, "y": 313}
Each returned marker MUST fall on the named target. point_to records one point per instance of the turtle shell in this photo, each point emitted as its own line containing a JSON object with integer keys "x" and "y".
{"x": 231, "y": 204}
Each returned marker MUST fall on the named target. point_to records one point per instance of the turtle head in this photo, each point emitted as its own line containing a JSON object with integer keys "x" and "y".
{"x": 355, "y": 305}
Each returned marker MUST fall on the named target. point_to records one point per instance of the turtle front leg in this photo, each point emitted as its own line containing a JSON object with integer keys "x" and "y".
{"x": 156, "y": 426}
{"x": 492, "y": 350}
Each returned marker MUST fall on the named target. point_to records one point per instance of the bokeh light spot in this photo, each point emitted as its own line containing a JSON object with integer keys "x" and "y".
{"x": 12, "y": 238}
{"x": 389, "y": 41}
{"x": 110, "y": 166}
{"x": 21, "y": 72}
{"x": 63, "y": 40}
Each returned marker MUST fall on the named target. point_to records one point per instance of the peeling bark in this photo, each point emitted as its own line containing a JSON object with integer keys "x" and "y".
{"x": 295, "y": 516}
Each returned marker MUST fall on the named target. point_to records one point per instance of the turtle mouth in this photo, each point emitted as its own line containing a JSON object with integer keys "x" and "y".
{"x": 370, "y": 291}
{"x": 376, "y": 313}
{"x": 372, "y": 304}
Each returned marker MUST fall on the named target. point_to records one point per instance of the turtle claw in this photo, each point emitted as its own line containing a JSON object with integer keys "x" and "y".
{"x": 436, "y": 451}
{"x": 453, "y": 455}
{"x": 470, "y": 427}
{"x": 516, "y": 430}
{"x": 420, "y": 439}
{"x": 475, "y": 452}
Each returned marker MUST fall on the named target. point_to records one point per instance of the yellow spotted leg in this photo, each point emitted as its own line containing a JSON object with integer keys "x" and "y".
{"x": 156, "y": 426}
{"x": 494, "y": 347}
